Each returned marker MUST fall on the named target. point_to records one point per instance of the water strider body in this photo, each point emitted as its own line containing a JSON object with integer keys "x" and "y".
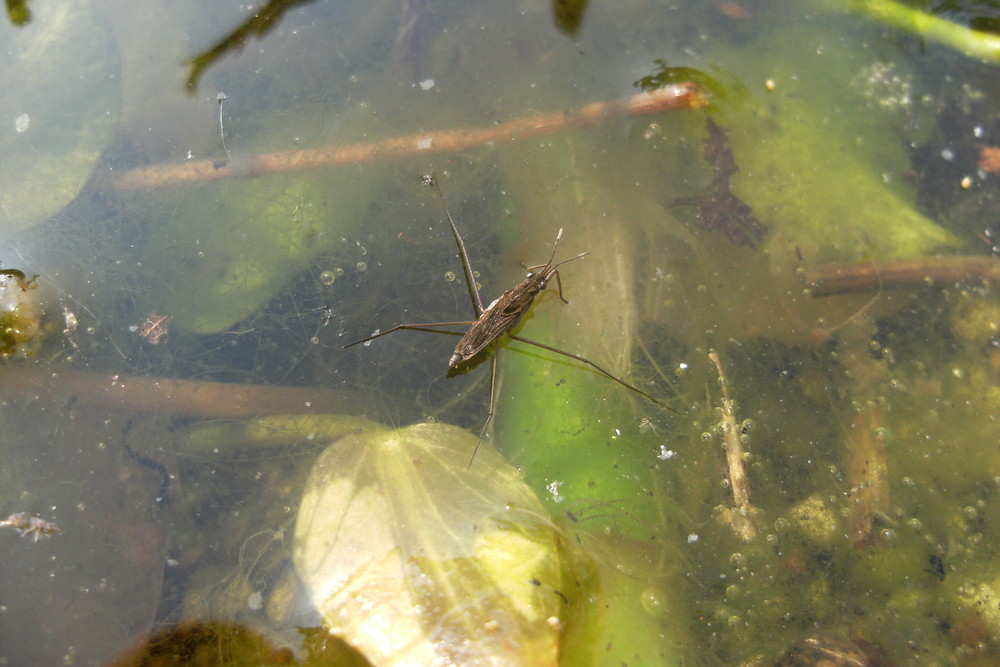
{"x": 500, "y": 317}
{"x": 504, "y": 314}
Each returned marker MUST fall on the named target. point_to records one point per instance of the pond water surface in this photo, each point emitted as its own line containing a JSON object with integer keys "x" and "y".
{"x": 794, "y": 265}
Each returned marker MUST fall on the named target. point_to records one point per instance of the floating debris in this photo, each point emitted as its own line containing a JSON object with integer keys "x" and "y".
{"x": 155, "y": 327}
{"x": 25, "y": 524}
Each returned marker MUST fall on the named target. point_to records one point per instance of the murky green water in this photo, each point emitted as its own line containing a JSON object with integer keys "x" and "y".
{"x": 203, "y": 253}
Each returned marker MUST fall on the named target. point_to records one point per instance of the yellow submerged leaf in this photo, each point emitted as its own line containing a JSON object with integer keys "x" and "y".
{"x": 415, "y": 558}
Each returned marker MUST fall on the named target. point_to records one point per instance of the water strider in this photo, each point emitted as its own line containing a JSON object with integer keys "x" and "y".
{"x": 500, "y": 317}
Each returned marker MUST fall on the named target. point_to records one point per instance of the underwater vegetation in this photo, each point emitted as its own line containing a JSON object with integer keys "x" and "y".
{"x": 782, "y": 219}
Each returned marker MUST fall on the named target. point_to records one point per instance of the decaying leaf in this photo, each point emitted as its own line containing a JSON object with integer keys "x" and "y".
{"x": 719, "y": 210}
{"x": 414, "y": 557}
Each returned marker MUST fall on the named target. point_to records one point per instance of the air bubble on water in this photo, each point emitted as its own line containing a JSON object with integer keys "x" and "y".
{"x": 449, "y": 276}
{"x": 362, "y": 267}
{"x": 553, "y": 489}
{"x": 327, "y": 277}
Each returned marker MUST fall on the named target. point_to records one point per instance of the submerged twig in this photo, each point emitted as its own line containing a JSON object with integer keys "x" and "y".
{"x": 867, "y": 470}
{"x": 262, "y": 21}
{"x": 741, "y": 517}
{"x": 838, "y": 278}
{"x": 672, "y": 97}
{"x": 175, "y": 397}
{"x": 821, "y": 333}
{"x": 866, "y": 457}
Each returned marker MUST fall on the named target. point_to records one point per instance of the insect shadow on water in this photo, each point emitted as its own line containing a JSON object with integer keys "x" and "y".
{"x": 498, "y": 318}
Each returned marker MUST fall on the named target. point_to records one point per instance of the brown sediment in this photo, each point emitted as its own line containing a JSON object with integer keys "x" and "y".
{"x": 830, "y": 279}
{"x": 186, "y": 398}
{"x": 667, "y": 98}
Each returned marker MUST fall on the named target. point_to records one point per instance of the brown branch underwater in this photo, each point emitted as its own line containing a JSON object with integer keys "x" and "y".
{"x": 185, "y": 398}
{"x": 668, "y": 98}
{"x": 830, "y": 279}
